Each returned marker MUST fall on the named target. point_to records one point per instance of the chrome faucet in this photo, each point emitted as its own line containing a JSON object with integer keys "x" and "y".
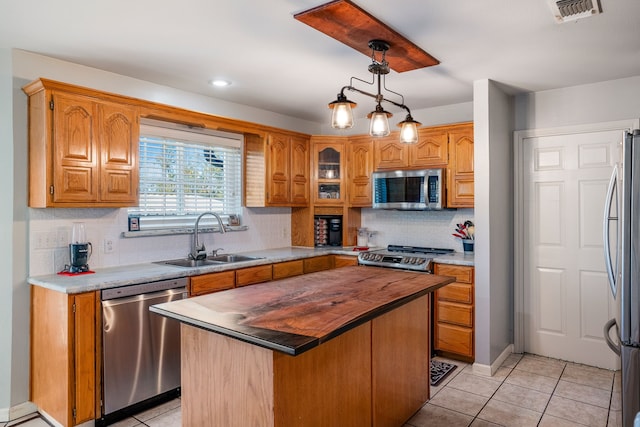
{"x": 199, "y": 251}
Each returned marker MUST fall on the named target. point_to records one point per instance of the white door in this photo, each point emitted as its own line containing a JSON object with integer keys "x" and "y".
{"x": 566, "y": 294}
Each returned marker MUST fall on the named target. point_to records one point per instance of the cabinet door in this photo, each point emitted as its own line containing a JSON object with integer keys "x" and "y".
{"x": 431, "y": 150}
{"x": 390, "y": 154}
{"x": 460, "y": 192}
{"x": 329, "y": 161}
{"x": 278, "y": 169}
{"x": 360, "y": 167}
{"x": 285, "y": 269}
{"x": 119, "y": 134}
{"x": 344, "y": 261}
{"x": 75, "y": 176}
{"x": 299, "y": 171}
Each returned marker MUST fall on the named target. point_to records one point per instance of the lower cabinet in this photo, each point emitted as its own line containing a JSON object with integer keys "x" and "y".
{"x": 344, "y": 261}
{"x": 64, "y": 355}
{"x": 212, "y": 282}
{"x": 285, "y": 269}
{"x": 253, "y": 275}
{"x": 454, "y": 313}
{"x": 319, "y": 263}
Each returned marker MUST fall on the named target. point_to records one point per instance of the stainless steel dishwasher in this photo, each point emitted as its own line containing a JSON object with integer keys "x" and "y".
{"x": 140, "y": 349}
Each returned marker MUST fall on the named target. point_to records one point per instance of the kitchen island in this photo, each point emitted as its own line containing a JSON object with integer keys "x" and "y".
{"x": 346, "y": 347}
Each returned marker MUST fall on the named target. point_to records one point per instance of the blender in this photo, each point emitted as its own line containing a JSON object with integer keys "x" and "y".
{"x": 79, "y": 249}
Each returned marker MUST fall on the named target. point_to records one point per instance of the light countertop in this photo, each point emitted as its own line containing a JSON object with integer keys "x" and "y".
{"x": 111, "y": 277}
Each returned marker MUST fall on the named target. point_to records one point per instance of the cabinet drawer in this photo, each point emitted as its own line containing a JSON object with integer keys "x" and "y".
{"x": 456, "y": 292}
{"x": 462, "y": 274}
{"x": 344, "y": 261}
{"x": 287, "y": 269}
{"x": 454, "y": 339}
{"x": 458, "y": 314}
{"x": 207, "y": 283}
{"x": 319, "y": 263}
{"x": 251, "y": 275}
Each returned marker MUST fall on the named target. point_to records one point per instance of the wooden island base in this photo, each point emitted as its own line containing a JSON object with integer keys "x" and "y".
{"x": 376, "y": 374}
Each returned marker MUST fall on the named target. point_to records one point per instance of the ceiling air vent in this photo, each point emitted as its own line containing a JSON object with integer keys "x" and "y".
{"x": 571, "y": 10}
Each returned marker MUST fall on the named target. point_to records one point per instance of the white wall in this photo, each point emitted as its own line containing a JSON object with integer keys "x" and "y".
{"x": 594, "y": 103}
{"x": 493, "y": 159}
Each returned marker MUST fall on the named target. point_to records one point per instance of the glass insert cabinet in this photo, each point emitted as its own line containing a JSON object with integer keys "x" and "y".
{"x": 329, "y": 161}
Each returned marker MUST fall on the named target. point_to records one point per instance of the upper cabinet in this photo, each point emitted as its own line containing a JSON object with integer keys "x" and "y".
{"x": 430, "y": 151}
{"x": 328, "y": 165}
{"x": 448, "y": 147}
{"x": 276, "y": 170}
{"x": 460, "y": 180}
{"x": 359, "y": 169}
{"x": 83, "y": 149}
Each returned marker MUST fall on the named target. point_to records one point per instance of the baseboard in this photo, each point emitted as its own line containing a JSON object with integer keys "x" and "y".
{"x": 489, "y": 370}
{"x": 21, "y": 410}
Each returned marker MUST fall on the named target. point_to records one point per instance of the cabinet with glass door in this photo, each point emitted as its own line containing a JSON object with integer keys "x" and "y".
{"x": 329, "y": 172}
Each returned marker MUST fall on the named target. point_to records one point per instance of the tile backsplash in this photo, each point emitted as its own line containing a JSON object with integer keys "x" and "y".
{"x": 415, "y": 228}
{"x": 50, "y": 234}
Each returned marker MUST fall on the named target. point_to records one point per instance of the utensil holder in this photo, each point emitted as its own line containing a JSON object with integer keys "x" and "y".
{"x": 467, "y": 245}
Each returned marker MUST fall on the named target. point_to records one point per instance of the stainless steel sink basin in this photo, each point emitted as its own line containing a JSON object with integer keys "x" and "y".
{"x": 210, "y": 260}
{"x": 226, "y": 258}
{"x": 185, "y": 262}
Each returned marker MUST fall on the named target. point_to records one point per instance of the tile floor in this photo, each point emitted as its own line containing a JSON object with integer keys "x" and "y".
{"x": 525, "y": 391}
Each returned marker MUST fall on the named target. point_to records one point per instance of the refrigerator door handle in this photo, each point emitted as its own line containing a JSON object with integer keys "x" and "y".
{"x": 606, "y": 230}
{"x": 612, "y": 345}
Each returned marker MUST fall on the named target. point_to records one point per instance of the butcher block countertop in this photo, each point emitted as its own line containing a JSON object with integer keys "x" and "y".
{"x": 296, "y": 314}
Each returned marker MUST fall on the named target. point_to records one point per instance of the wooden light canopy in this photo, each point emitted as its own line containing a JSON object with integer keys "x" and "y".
{"x": 355, "y": 27}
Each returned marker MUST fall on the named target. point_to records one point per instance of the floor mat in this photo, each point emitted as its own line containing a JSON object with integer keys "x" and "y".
{"x": 440, "y": 370}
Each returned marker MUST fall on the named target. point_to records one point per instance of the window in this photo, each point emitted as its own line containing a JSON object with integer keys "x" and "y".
{"x": 185, "y": 172}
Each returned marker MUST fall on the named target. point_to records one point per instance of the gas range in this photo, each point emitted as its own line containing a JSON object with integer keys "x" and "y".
{"x": 402, "y": 257}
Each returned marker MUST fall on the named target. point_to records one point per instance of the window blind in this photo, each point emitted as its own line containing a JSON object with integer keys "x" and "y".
{"x": 185, "y": 172}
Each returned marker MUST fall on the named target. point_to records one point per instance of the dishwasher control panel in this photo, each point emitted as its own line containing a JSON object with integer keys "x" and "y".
{"x": 143, "y": 288}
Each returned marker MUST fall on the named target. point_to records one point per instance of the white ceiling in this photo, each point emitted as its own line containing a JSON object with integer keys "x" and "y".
{"x": 279, "y": 64}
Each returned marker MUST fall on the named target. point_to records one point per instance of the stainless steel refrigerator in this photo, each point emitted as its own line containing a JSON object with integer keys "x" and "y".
{"x": 622, "y": 258}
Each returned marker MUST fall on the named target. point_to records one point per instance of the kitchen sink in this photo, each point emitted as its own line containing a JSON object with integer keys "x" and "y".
{"x": 210, "y": 260}
{"x": 186, "y": 262}
{"x": 226, "y": 258}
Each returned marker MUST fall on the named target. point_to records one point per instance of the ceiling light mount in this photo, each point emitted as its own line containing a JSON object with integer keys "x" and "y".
{"x": 342, "y": 117}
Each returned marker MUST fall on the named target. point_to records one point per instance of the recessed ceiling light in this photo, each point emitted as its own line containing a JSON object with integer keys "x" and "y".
{"x": 219, "y": 83}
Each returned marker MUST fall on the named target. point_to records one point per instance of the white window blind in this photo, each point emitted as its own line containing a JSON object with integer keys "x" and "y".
{"x": 185, "y": 172}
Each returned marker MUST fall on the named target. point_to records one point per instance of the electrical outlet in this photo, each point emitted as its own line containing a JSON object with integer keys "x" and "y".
{"x": 108, "y": 246}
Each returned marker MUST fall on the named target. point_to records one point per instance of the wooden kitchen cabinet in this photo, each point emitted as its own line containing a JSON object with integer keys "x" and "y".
{"x": 212, "y": 282}
{"x": 286, "y": 269}
{"x": 83, "y": 148}
{"x": 454, "y": 313}
{"x": 431, "y": 151}
{"x": 359, "y": 169}
{"x": 64, "y": 356}
{"x": 319, "y": 263}
{"x": 276, "y": 170}
{"x": 344, "y": 261}
{"x": 460, "y": 179}
{"x": 328, "y": 167}
{"x": 253, "y": 275}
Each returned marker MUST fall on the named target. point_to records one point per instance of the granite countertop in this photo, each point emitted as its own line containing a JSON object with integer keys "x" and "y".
{"x": 296, "y": 314}
{"x": 111, "y": 277}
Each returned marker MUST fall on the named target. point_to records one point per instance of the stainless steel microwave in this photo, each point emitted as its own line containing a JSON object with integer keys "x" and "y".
{"x": 408, "y": 189}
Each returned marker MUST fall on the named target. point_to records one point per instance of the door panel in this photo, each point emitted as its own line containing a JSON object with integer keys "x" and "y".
{"x": 566, "y": 298}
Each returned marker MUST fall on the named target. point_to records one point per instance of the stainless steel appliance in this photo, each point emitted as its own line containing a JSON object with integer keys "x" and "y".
{"x": 140, "y": 349}
{"x": 621, "y": 228}
{"x": 327, "y": 230}
{"x": 408, "y": 189}
{"x": 403, "y": 257}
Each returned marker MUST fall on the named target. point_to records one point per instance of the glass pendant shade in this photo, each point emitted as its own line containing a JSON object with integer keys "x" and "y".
{"x": 342, "y": 116}
{"x": 379, "y": 122}
{"x": 409, "y": 130}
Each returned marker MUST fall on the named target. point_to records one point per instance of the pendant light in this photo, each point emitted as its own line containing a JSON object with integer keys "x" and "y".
{"x": 342, "y": 115}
